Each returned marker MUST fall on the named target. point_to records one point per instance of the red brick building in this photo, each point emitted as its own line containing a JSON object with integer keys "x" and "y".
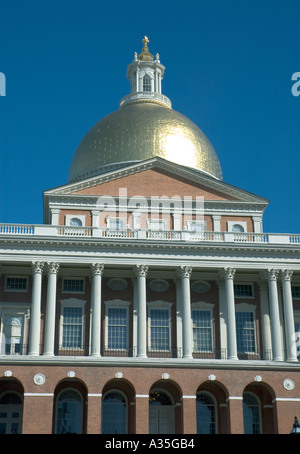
{"x": 150, "y": 300}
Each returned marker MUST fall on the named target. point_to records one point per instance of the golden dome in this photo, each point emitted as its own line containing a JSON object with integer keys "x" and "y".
{"x": 142, "y": 130}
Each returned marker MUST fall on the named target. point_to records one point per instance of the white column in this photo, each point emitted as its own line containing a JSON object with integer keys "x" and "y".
{"x": 187, "y": 334}
{"x": 178, "y": 317}
{"x": 230, "y": 305}
{"x": 265, "y": 320}
{"x": 141, "y": 274}
{"x": 274, "y": 313}
{"x": 223, "y": 317}
{"x": 289, "y": 315}
{"x": 50, "y": 309}
{"x": 35, "y": 313}
{"x": 134, "y": 318}
{"x": 97, "y": 271}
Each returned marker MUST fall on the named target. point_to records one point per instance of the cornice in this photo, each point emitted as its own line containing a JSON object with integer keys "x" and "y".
{"x": 164, "y": 363}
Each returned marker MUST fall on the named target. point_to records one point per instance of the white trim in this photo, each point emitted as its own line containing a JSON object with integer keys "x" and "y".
{"x": 38, "y": 394}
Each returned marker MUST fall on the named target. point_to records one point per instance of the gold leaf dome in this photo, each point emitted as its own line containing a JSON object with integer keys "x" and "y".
{"x": 144, "y": 126}
{"x": 140, "y": 131}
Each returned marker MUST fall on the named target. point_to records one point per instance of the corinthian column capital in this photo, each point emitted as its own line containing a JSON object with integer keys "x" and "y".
{"x": 286, "y": 275}
{"x": 141, "y": 270}
{"x": 52, "y": 267}
{"x": 184, "y": 271}
{"x": 37, "y": 267}
{"x": 97, "y": 269}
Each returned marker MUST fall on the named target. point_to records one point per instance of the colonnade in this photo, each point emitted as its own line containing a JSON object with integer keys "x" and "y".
{"x": 269, "y": 307}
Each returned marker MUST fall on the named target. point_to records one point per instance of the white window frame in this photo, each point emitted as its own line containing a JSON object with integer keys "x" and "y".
{"x": 116, "y": 304}
{"x": 245, "y": 307}
{"x": 162, "y": 224}
{"x": 81, "y": 217}
{"x": 70, "y": 279}
{"x": 71, "y": 302}
{"x": 14, "y": 310}
{"x": 164, "y": 306}
{"x": 122, "y": 220}
{"x": 203, "y": 306}
{"x": 196, "y": 223}
{"x": 14, "y": 276}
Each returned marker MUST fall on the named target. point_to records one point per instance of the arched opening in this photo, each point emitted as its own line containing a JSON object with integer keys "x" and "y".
{"x": 212, "y": 414}
{"x": 11, "y": 407}
{"x": 165, "y": 412}
{"x": 114, "y": 413}
{"x": 69, "y": 408}
{"x": 118, "y": 410}
{"x": 206, "y": 413}
{"x": 258, "y": 409}
{"x": 251, "y": 414}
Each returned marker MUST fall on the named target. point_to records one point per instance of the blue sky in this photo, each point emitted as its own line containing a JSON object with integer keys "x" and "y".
{"x": 229, "y": 66}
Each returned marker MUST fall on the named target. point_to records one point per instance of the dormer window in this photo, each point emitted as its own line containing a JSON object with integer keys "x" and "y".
{"x": 147, "y": 83}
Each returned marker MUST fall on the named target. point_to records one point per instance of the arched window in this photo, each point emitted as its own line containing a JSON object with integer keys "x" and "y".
{"x": 11, "y": 407}
{"x": 69, "y": 412}
{"x": 206, "y": 414}
{"x": 114, "y": 413}
{"x": 146, "y": 83}
{"x": 251, "y": 412}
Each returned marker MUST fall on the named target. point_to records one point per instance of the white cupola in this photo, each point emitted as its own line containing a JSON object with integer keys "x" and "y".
{"x": 145, "y": 75}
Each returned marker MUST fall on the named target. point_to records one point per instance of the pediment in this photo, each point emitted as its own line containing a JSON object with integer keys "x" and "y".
{"x": 157, "y": 177}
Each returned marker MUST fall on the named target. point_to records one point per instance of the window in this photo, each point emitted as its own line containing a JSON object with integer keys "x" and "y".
{"x": 251, "y": 413}
{"x": 296, "y": 291}
{"x": 147, "y": 83}
{"x": 75, "y": 222}
{"x": 196, "y": 226}
{"x": 157, "y": 224}
{"x": 72, "y": 327}
{"x": 116, "y": 223}
{"x": 245, "y": 331}
{"x": 69, "y": 412}
{"x": 159, "y": 329}
{"x": 114, "y": 413}
{"x": 11, "y": 408}
{"x": 116, "y": 328}
{"x": 16, "y": 283}
{"x": 72, "y": 324}
{"x": 202, "y": 330}
{"x": 13, "y": 334}
{"x": 206, "y": 414}
{"x": 237, "y": 227}
{"x": 13, "y": 329}
{"x": 243, "y": 290}
{"x": 73, "y": 285}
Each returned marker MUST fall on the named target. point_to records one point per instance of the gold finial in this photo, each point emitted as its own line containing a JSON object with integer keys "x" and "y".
{"x": 145, "y": 55}
{"x": 145, "y": 41}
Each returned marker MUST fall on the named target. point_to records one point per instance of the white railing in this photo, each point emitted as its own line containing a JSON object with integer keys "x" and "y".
{"x": 141, "y": 234}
